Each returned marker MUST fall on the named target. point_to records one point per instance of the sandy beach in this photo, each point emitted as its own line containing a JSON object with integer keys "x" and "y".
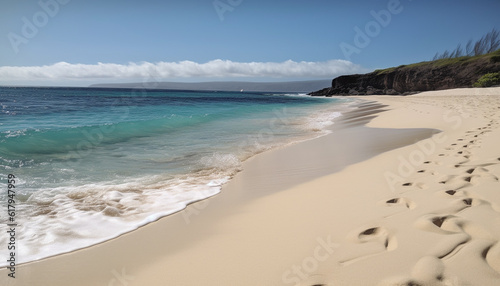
{"x": 404, "y": 191}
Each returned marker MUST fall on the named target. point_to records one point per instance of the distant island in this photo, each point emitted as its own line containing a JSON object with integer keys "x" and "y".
{"x": 247, "y": 86}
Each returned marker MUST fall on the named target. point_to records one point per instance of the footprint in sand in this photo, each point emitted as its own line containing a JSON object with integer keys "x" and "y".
{"x": 451, "y": 192}
{"x": 380, "y": 234}
{"x": 481, "y": 174}
{"x": 475, "y": 174}
{"x": 463, "y": 198}
{"x": 448, "y": 225}
{"x": 455, "y": 182}
{"x": 398, "y": 202}
{"x": 409, "y": 204}
{"x": 492, "y": 256}
{"x": 429, "y": 270}
{"x": 376, "y": 238}
{"x": 431, "y": 172}
{"x": 463, "y": 203}
{"x": 463, "y": 152}
{"x": 421, "y": 186}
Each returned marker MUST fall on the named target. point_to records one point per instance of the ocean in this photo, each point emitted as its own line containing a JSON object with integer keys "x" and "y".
{"x": 91, "y": 164}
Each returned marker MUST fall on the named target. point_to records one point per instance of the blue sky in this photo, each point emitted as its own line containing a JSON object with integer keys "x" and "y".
{"x": 77, "y": 42}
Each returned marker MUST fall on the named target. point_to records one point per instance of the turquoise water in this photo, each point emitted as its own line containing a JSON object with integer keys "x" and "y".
{"x": 95, "y": 163}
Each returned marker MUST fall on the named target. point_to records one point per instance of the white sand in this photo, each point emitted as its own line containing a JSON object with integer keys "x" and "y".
{"x": 424, "y": 214}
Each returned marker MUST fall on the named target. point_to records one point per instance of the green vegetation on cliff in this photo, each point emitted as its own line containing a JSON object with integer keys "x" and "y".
{"x": 493, "y": 57}
{"x": 459, "y": 72}
{"x": 487, "y": 80}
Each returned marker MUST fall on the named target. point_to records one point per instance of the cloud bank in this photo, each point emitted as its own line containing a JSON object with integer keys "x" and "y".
{"x": 184, "y": 69}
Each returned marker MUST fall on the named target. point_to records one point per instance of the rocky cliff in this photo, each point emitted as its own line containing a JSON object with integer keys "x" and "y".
{"x": 424, "y": 76}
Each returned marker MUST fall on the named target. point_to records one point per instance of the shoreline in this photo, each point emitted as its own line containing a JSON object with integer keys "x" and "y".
{"x": 206, "y": 177}
{"x": 280, "y": 209}
{"x": 352, "y": 111}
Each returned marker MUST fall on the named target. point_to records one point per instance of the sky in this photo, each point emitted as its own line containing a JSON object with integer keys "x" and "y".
{"x": 81, "y": 42}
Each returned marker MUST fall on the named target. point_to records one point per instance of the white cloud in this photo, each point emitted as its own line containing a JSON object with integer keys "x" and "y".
{"x": 183, "y": 69}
